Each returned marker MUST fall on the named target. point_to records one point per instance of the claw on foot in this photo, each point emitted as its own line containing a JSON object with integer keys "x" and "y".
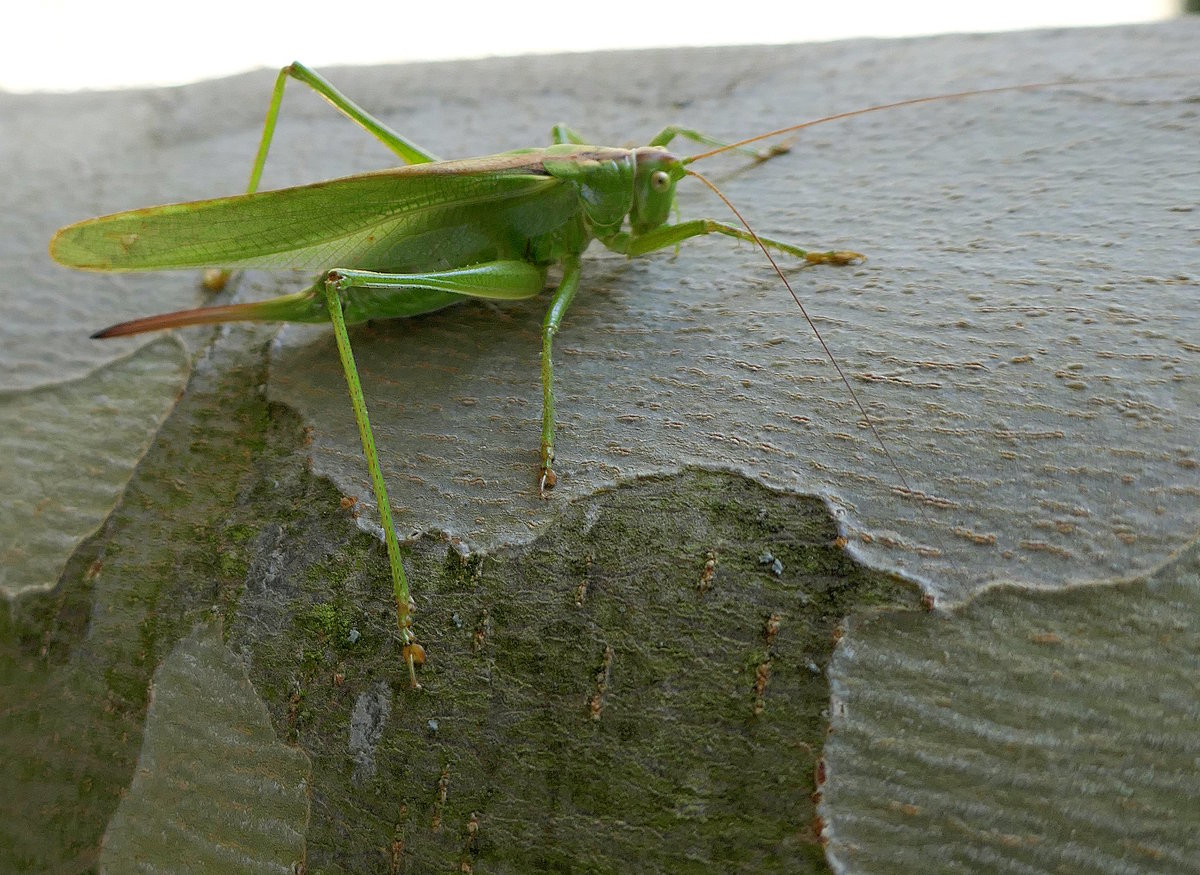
{"x": 215, "y": 280}
{"x": 841, "y": 257}
{"x": 546, "y": 476}
{"x": 772, "y": 151}
{"x": 413, "y": 654}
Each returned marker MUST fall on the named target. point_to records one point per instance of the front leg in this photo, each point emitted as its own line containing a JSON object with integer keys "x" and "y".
{"x": 554, "y": 316}
{"x": 667, "y": 236}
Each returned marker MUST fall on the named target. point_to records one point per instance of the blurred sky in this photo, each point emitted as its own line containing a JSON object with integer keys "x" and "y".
{"x": 66, "y": 45}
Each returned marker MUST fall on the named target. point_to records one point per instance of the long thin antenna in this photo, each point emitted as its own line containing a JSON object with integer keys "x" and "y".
{"x": 912, "y": 101}
{"x": 811, "y": 324}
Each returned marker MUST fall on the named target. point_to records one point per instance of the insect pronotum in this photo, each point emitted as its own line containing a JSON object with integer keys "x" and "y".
{"x": 429, "y": 234}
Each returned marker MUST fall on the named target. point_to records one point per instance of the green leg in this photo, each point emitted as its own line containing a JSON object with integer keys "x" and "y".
{"x": 500, "y": 280}
{"x": 669, "y": 133}
{"x": 408, "y": 152}
{"x": 503, "y": 279}
{"x": 554, "y": 316}
{"x": 561, "y": 133}
{"x": 493, "y": 280}
{"x": 672, "y": 235}
{"x": 410, "y": 650}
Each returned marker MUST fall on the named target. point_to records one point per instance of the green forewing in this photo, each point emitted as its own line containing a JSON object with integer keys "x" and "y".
{"x": 350, "y": 222}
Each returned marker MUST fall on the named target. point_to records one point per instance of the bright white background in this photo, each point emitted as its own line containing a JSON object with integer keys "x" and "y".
{"x": 66, "y": 45}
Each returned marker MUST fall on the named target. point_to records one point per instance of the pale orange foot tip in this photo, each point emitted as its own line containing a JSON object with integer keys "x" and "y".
{"x": 413, "y": 653}
{"x": 840, "y": 257}
{"x": 214, "y": 280}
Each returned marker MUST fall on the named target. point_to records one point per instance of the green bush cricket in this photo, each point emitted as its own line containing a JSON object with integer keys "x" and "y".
{"x": 419, "y": 238}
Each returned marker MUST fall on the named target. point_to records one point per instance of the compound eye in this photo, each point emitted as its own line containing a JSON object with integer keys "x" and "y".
{"x": 660, "y": 180}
